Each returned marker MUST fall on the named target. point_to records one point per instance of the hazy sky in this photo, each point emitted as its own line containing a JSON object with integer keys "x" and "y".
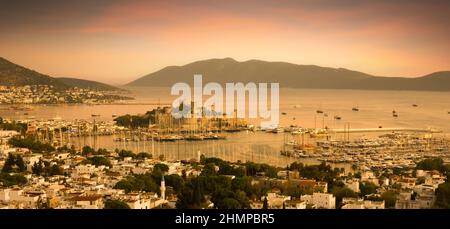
{"x": 118, "y": 41}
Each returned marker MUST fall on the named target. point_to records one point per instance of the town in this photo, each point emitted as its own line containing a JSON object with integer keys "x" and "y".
{"x": 47, "y": 94}
{"x": 40, "y": 173}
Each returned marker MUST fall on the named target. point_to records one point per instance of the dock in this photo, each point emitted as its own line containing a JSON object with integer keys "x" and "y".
{"x": 399, "y": 129}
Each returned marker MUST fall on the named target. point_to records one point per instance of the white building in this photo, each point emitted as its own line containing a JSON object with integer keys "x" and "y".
{"x": 320, "y": 200}
{"x": 353, "y": 184}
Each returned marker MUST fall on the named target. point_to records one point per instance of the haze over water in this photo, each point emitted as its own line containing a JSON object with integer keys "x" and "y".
{"x": 300, "y": 105}
{"x": 375, "y": 109}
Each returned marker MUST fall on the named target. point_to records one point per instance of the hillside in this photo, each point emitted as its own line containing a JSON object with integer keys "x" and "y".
{"x": 289, "y": 75}
{"x": 87, "y": 84}
{"x": 14, "y": 75}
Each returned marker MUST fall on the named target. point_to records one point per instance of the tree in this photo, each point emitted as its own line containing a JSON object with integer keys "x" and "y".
{"x": 432, "y": 164}
{"x": 143, "y": 155}
{"x": 14, "y": 163}
{"x": 229, "y": 203}
{"x": 389, "y": 197}
{"x": 443, "y": 196}
{"x": 98, "y": 160}
{"x": 126, "y": 153}
{"x": 87, "y": 150}
{"x": 20, "y": 163}
{"x": 116, "y": 204}
{"x": 31, "y": 143}
{"x": 367, "y": 188}
{"x": 9, "y": 163}
{"x": 174, "y": 181}
{"x": 37, "y": 168}
{"x": 265, "y": 203}
{"x": 161, "y": 167}
{"x": 8, "y": 180}
{"x": 340, "y": 193}
{"x": 55, "y": 170}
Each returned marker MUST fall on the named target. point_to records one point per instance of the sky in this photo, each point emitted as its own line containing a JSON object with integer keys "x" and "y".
{"x": 117, "y": 41}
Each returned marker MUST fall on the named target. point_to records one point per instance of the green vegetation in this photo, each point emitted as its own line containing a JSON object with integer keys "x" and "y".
{"x": 322, "y": 172}
{"x": 45, "y": 169}
{"x": 443, "y": 196}
{"x": 98, "y": 160}
{"x": 116, "y": 204}
{"x": 367, "y": 188}
{"x": 126, "y": 153}
{"x": 14, "y": 163}
{"x": 7, "y": 180}
{"x": 32, "y": 144}
{"x": 143, "y": 182}
{"x": 433, "y": 164}
{"x": 389, "y": 198}
{"x": 143, "y": 155}
{"x": 341, "y": 192}
{"x": 19, "y": 127}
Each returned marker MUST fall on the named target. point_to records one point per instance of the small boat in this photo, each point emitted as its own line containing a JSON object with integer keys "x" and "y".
{"x": 449, "y": 112}
{"x": 283, "y": 113}
{"x": 414, "y": 105}
{"x": 95, "y": 115}
{"x": 337, "y": 117}
{"x": 278, "y": 130}
{"x": 380, "y": 127}
{"x": 355, "y": 109}
{"x": 394, "y": 112}
{"x": 319, "y": 111}
{"x": 114, "y": 115}
{"x": 395, "y": 115}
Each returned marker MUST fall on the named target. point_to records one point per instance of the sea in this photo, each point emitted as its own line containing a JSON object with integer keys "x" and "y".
{"x": 415, "y": 110}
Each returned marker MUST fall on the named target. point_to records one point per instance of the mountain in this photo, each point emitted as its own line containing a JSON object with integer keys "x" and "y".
{"x": 289, "y": 75}
{"x": 87, "y": 84}
{"x": 15, "y": 75}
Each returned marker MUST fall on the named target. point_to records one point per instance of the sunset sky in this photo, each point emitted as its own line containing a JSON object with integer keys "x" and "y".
{"x": 118, "y": 41}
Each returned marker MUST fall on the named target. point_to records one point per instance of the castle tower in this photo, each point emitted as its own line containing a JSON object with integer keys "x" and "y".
{"x": 163, "y": 188}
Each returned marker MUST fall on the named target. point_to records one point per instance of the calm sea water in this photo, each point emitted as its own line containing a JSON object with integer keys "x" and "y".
{"x": 300, "y": 105}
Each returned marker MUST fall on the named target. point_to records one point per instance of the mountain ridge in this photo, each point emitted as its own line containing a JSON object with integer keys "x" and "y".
{"x": 289, "y": 75}
{"x": 12, "y": 74}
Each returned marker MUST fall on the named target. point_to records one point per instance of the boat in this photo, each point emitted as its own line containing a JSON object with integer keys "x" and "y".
{"x": 414, "y": 105}
{"x": 319, "y": 111}
{"x": 337, "y": 117}
{"x": 283, "y": 113}
{"x": 278, "y": 130}
{"x": 394, "y": 112}
{"x": 355, "y": 109}
{"x": 95, "y": 115}
{"x": 114, "y": 115}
